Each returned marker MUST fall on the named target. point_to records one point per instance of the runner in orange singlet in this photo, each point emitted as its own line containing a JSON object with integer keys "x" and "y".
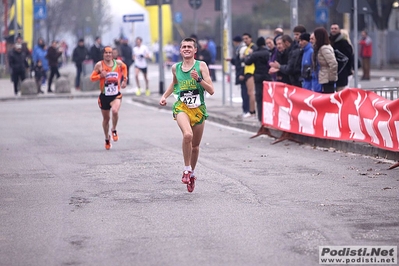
{"x": 110, "y": 72}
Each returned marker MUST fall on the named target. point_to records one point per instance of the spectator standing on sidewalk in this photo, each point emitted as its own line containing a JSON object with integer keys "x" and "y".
{"x": 282, "y": 59}
{"x": 366, "y": 51}
{"x": 260, "y": 58}
{"x": 211, "y": 46}
{"x": 79, "y": 54}
{"x": 273, "y": 53}
{"x": 203, "y": 53}
{"x": 96, "y": 51}
{"x": 39, "y": 75}
{"x": 292, "y": 67}
{"x": 340, "y": 43}
{"x": 53, "y": 54}
{"x": 155, "y": 51}
{"x": 18, "y": 65}
{"x": 325, "y": 61}
{"x": 127, "y": 56}
{"x": 306, "y": 63}
{"x": 240, "y": 47}
{"x": 315, "y": 72}
{"x": 351, "y": 61}
{"x": 40, "y": 52}
{"x": 168, "y": 50}
{"x": 249, "y": 72}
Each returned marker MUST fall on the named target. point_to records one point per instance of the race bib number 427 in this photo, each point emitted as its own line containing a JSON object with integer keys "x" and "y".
{"x": 191, "y": 98}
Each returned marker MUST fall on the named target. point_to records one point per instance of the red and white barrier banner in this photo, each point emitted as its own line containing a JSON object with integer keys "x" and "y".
{"x": 352, "y": 114}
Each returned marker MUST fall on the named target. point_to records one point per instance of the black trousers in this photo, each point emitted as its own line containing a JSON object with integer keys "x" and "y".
{"x": 259, "y": 99}
{"x": 328, "y": 87}
{"x": 53, "y": 71}
{"x": 16, "y": 76}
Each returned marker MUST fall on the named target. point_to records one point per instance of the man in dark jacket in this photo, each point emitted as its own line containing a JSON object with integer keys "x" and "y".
{"x": 292, "y": 67}
{"x": 260, "y": 58}
{"x": 96, "y": 53}
{"x": 338, "y": 42}
{"x": 79, "y": 54}
{"x": 53, "y": 54}
{"x": 203, "y": 53}
{"x": 18, "y": 65}
{"x": 282, "y": 59}
{"x": 239, "y": 69}
{"x": 127, "y": 55}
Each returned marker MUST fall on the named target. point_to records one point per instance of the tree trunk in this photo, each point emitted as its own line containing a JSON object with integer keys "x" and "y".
{"x": 380, "y": 48}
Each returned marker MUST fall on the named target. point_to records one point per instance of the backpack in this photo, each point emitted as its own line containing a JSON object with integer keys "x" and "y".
{"x": 342, "y": 60}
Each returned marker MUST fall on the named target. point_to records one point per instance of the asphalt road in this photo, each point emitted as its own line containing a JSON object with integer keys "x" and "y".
{"x": 65, "y": 200}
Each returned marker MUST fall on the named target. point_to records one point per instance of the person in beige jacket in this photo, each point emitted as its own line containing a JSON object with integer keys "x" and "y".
{"x": 324, "y": 61}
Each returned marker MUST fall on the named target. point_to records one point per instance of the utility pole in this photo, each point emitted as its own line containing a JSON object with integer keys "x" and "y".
{"x": 226, "y": 42}
{"x": 294, "y": 14}
{"x": 15, "y": 21}
{"x": 160, "y": 33}
{"x": 23, "y": 20}
{"x": 355, "y": 42}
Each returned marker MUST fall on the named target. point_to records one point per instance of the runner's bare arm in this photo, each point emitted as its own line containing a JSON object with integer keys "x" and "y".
{"x": 96, "y": 74}
{"x": 206, "y": 78}
{"x": 123, "y": 68}
{"x": 170, "y": 88}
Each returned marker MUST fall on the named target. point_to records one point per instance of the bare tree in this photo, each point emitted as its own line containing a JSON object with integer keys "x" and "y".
{"x": 381, "y": 13}
{"x": 80, "y": 18}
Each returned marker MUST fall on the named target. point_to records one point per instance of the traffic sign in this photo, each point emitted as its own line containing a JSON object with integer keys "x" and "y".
{"x": 195, "y": 4}
{"x": 178, "y": 17}
{"x": 322, "y": 15}
{"x": 155, "y": 2}
{"x": 133, "y": 18}
{"x": 40, "y": 11}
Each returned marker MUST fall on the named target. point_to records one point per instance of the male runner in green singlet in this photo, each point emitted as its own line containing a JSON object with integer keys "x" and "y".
{"x": 190, "y": 81}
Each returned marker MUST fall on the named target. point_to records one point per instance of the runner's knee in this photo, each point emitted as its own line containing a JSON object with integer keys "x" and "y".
{"x": 188, "y": 137}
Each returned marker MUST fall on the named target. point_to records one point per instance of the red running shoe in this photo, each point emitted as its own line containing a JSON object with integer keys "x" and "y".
{"x": 108, "y": 144}
{"x": 191, "y": 185}
{"x": 115, "y": 135}
{"x": 186, "y": 177}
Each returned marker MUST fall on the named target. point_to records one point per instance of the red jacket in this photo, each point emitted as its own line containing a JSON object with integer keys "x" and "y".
{"x": 366, "y": 47}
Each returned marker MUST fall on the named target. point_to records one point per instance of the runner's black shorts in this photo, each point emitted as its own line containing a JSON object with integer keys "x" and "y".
{"x": 144, "y": 69}
{"x": 248, "y": 76}
{"x": 104, "y": 102}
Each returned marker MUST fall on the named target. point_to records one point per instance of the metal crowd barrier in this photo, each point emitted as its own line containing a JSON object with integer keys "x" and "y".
{"x": 390, "y": 93}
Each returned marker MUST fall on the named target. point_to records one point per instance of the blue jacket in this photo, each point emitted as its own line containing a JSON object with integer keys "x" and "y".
{"x": 40, "y": 53}
{"x": 307, "y": 64}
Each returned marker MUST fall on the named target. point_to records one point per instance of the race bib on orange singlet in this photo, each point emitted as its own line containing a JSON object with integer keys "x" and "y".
{"x": 111, "y": 84}
{"x": 191, "y": 98}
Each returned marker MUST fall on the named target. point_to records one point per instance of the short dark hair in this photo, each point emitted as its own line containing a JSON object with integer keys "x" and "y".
{"x": 300, "y": 29}
{"x": 286, "y": 38}
{"x": 247, "y": 34}
{"x": 190, "y": 39}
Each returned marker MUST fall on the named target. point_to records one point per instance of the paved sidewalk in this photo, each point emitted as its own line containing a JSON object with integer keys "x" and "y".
{"x": 228, "y": 114}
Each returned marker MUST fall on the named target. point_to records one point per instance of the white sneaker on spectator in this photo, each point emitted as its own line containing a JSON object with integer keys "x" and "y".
{"x": 246, "y": 115}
